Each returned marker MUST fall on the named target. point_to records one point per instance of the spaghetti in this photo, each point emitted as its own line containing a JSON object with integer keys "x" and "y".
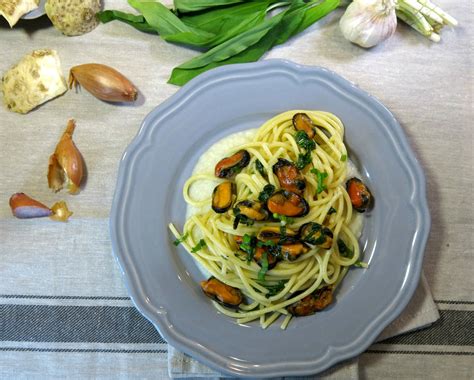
{"x": 283, "y": 262}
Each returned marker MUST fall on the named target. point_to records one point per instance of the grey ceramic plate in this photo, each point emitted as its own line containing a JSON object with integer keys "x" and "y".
{"x": 163, "y": 280}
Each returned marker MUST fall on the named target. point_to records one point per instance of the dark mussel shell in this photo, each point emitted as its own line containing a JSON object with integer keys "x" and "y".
{"x": 289, "y": 176}
{"x": 287, "y": 203}
{"x": 360, "y": 195}
{"x": 303, "y": 122}
{"x": 230, "y": 166}
{"x": 312, "y": 303}
{"x": 316, "y": 234}
{"x": 223, "y": 196}
{"x": 222, "y": 293}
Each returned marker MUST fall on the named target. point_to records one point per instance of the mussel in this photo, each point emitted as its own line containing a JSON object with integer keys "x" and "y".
{"x": 222, "y": 293}
{"x": 230, "y": 166}
{"x": 275, "y": 235}
{"x": 303, "y": 122}
{"x": 361, "y": 197}
{"x": 316, "y": 234}
{"x": 223, "y": 196}
{"x": 287, "y": 203}
{"x": 289, "y": 176}
{"x": 272, "y": 259}
{"x": 316, "y": 301}
{"x": 292, "y": 251}
{"x": 252, "y": 210}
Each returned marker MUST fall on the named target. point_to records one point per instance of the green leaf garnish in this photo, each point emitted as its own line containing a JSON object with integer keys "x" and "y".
{"x": 264, "y": 268}
{"x": 332, "y": 210}
{"x": 344, "y": 250}
{"x": 260, "y": 168}
{"x": 344, "y": 157}
{"x": 266, "y": 193}
{"x": 268, "y": 243}
{"x": 248, "y": 246}
{"x": 200, "y": 245}
{"x": 320, "y": 176}
{"x": 303, "y": 140}
{"x": 181, "y": 239}
{"x": 283, "y": 219}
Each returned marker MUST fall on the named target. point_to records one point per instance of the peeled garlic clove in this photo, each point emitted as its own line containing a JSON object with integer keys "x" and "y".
{"x": 66, "y": 165}
{"x": 24, "y": 207}
{"x": 60, "y": 212}
{"x": 368, "y": 22}
{"x": 103, "y": 82}
{"x": 34, "y": 80}
{"x": 73, "y": 17}
{"x": 12, "y": 10}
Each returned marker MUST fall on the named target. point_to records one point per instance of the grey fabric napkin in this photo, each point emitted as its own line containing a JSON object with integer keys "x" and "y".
{"x": 420, "y": 312}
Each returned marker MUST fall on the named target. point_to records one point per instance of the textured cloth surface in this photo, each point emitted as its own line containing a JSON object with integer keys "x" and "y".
{"x": 64, "y": 311}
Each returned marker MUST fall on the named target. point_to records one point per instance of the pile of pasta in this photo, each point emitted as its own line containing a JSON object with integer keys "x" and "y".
{"x": 226, "y": 242}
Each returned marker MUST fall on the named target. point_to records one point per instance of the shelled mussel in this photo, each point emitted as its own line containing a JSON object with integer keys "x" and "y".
{"x": 289, "y": 176}
{"x": 316, "y": 301}
{"x": 228, "y": 167}
{"x": 223, "y": 196}
{"x": 360, "y": 195}
{"x": 222, "y": 293}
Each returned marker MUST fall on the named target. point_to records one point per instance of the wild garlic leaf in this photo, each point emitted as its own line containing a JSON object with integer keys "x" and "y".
{"x": 198, "y": 5}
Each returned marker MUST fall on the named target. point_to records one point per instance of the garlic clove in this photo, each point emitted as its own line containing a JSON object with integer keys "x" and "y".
{"x": 24, "y": 207}
{"x": 104, "y": 82}
{"x": 60, "y": 212}
{"x": 369, "y": 22}
{"x": 66, "y": 165}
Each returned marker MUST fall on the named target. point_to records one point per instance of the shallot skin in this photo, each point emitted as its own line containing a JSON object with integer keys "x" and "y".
{"x": 104, "y": 82}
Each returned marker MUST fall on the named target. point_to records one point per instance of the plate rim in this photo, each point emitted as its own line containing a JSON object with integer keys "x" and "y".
{"x": 158, "y": 317}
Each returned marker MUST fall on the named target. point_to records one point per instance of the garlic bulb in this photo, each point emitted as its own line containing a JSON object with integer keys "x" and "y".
{"x": 368, "y": 22}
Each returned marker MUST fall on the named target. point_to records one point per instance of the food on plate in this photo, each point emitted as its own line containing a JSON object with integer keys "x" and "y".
{"x": 12, "y": 10}
{"x": 104, "y": 82}
{"x": 279, "y": 232}
{"x": 34, "y": 80}
{"x": 66, "y": 164}
{"x": 25, "y": 207}
{"x": 73, "y": 17}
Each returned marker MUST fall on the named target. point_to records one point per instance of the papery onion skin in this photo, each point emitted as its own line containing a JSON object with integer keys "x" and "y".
{"x": 25, "y": 207}
{"x": 104, "y": 82}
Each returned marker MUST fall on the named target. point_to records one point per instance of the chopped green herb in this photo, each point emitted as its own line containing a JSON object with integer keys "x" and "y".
{"x": 360, "y": 264}
{"x": 282, "y": 231}
{"x": 283, "y": 218}
{"x": 268, "y": 243}
{"x": 321, "y": 176}
{"x": 181, "y": 239}
{"x": 332, "y": 210}
{"x": 344, "y": 157}
{"x": 240, "y": 218}
{"x": 201, "y": 244}
{"x": 344, "y": 250}
{"x": 248, "y": 246}
{"x": 260, "y": 168}
{"x": 303, "y": 160}
{"x": 275, "y": 289}
{"x": 264, "y": 268}
{"x": 266, "y": 193}
{"x": 303, "y": 140}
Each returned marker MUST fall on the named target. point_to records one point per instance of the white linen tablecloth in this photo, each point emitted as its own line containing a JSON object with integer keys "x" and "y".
{"x": 64, "y": 311}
